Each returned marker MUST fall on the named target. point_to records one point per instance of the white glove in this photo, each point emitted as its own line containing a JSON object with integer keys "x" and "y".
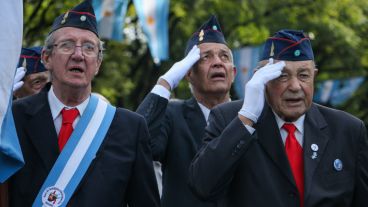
{"x": 179, "y": 69}
{"x": 254, "y": 89}
{"x": 19, "y": 74}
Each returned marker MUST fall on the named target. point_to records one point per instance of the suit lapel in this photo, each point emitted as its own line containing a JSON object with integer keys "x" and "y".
{"x": 41, "y": 130}
{"x": 313, "y": 134}
{"x": 195, "y": 120}
{"x": 271, "y": 142}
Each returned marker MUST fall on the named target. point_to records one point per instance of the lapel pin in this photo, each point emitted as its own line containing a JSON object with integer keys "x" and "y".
{"x": 314, "y": 155}
{"x": 338, "y": 165}
{"x": 314, "y": 147}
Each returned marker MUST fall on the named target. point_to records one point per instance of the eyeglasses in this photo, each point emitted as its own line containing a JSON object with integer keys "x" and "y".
{"x": 68, "y": 48}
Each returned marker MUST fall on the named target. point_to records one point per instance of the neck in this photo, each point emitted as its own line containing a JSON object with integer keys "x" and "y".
{"x": 212, "y": 100}
{"x": 72, "y": 96}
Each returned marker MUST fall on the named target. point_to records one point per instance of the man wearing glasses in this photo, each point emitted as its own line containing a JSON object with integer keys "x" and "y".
{"x": 79, "y": 150}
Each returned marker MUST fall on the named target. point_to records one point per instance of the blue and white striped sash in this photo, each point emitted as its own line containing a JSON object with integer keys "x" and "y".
{"x": 77, "y": 154}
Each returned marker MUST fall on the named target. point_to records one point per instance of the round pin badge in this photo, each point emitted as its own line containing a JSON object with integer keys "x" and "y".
{"x": 214, "y": 27}
{"x": 338, "y": 165}
{"x": 296, "y": 53}
{"x": 314, "y": 147}
{"x": 83, "y": 18}
{"x": 53, "y": 196}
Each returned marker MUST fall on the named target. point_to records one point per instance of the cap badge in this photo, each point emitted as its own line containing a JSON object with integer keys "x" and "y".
{"x": 296, "y": 53}
{"x": 64, "y": 18}
{"x": 201, "y": 34}
{"x": 24, "y": 63}
{"x": 214, "y": 27}
{"x": 272, "y": 53}
{"x": 83, "y": 18}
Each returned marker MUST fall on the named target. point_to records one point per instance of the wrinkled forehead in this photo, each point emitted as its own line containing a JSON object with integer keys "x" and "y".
{"x": 291, "y": 65}
{"x": 208, "y": 47}
{"x": 72, "y": 33}
{"x": 299, "y": 65}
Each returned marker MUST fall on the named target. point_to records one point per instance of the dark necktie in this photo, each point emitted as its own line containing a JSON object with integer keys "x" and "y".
{"x": 67, "y": 126}
{"x": 294, "y": 154}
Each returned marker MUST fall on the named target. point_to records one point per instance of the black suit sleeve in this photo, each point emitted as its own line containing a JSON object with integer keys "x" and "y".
{"x": 153, "y": 109}
{"x": 146, "y": 188}
{"x": 226, "y": 140}
{"x": 361, "y": 177}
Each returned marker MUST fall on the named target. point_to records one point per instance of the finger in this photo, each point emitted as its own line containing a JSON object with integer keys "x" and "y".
{"x": 270, "y": 61}
{"x": 17, "y": 85}
{"x": 19, "y": 75}
{"x": 194, "y": 50}
{"x": 194, "y": 55}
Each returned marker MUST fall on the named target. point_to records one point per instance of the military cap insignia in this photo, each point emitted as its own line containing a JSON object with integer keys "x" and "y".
{"x": 272, "y": 52}
{"x": 64, "y": 18}
{"x": 83, "y": 18}
{"x": 296, "y": 53}
{"x": 201, "y": 34}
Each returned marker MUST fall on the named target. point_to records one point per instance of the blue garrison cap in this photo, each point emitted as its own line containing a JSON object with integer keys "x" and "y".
{"x": 82, "y": 16}
{"x": 208, "y": 32}
{"x": 290, "y": 45}
{"x": 30, "y": 59}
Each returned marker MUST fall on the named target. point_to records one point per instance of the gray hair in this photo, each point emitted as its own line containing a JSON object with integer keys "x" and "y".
{"x": 50, "y": 41}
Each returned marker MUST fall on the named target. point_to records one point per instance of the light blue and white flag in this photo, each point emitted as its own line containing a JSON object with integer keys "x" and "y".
{"x": 336, "y": 92}
{"x": 110, "y": 15}
{"x": 153, "y": 17}
{"x": 245, "y": 60}
{"x": 11, "y": 22}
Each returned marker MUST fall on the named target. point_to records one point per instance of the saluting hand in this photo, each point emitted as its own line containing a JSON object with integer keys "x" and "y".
{"x": 19, "y": 74}
{"x": 179, "y": 69}
{"x": 254, "y": 89}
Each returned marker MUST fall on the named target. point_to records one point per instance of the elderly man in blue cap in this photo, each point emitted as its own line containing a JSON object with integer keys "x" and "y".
{"x": 277, "y": 148}
{"x": 36, "y": 75}
{"x": 78, "y": 149}
{"x": 177, "y": 127}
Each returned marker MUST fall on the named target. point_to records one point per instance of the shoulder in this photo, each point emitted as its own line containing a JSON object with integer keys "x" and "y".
{"x": 126, "y": 115}
{"x": 335, "y": 115}
{"x": 229, "y": 108}
{"x": 176, "y": 105}
{"x": 174, "y": 102}
{"x": 30, "y": 104}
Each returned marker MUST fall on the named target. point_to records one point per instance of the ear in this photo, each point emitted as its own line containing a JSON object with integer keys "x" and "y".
{"x": 234, "y": 70}
{"x": 189, "y": 74}
{"x": 99, "y": 62}
{"x": 46, "y": 60}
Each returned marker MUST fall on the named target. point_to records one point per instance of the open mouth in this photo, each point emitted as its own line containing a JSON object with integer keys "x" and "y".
{"x": 76, "y": 70}
{"x": 294, "y": 101}
{"x": 218, "y": 75}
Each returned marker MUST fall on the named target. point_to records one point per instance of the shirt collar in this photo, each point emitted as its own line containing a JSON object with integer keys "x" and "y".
{"x": 205, "y": 111}
{"x": 299, "y": 123}
{"x": 56, "y": 105}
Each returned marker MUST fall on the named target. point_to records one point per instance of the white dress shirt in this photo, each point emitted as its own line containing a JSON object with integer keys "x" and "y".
{"x": 56, "y": 106}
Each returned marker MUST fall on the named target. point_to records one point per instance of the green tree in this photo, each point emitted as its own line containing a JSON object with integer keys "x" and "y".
{"x": 338, "y": 30}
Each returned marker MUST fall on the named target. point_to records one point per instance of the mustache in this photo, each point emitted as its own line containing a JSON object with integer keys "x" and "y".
{"x": 294, "y": 95}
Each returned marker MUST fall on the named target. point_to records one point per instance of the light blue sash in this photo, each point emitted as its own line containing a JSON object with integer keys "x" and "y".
{"x": 77, "y": 154}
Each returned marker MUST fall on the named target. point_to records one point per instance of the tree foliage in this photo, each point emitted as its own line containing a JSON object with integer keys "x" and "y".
{"x": 338, "y": 30}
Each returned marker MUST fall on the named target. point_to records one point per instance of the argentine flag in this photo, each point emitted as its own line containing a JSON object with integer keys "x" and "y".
{"x": 153, "y": 17}
{"x": 11, "y": 22}
{"x": 110, "y": 16}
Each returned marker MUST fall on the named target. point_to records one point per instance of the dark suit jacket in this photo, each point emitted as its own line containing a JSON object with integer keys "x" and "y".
{"x": 253, "y": 170}
{"x": 176, "y": 129}
{"x": 122, "y": 172}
